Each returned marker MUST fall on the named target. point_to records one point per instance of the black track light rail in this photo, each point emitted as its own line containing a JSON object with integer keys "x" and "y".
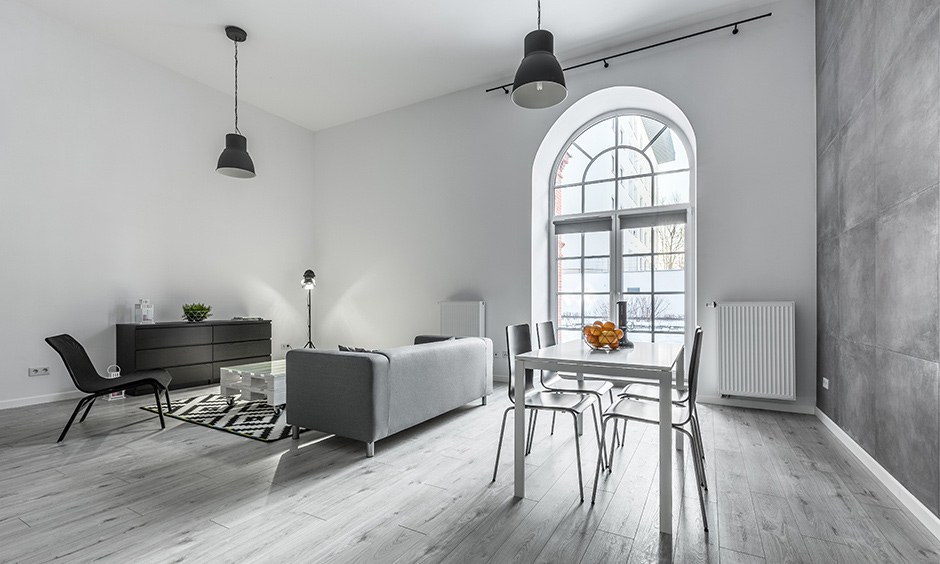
{"x": 505, "y": 87}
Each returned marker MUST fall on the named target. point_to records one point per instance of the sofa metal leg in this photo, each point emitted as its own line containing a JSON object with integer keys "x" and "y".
{"x": 484, "y": 400}
{"x": 370, "y": 450}
{"x": 294, "y": 432}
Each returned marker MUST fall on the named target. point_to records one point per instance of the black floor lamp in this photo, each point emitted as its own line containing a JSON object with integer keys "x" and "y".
{"x": 308, "y": 283}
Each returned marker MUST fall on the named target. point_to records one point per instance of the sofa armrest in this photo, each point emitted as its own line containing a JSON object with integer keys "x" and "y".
{"x": 344, "y": 393}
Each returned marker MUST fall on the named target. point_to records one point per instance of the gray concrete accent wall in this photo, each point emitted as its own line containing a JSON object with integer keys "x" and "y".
{"x": 878, "y": 228}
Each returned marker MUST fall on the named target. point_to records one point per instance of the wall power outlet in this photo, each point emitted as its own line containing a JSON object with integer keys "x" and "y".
{"x": 39, "y": 371}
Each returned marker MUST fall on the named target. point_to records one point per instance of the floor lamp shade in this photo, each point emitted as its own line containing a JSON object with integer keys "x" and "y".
{"x": 540, "y": 81}
{"x": 234, "y": 160}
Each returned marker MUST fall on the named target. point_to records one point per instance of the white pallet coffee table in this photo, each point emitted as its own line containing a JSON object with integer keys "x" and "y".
{"x": 259, "y": 381}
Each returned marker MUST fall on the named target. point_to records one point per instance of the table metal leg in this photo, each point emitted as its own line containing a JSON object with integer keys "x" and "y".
{"x": 665, "y": 452}
{"x": 519, "y": 434}
{"x": 680, "y": 383}
{"x": 579, "y": 418}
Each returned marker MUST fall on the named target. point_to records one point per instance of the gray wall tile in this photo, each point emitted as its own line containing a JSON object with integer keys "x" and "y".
{"x": 855, "y": 50}
{"x": 828, "y": 198}
{"x": 829, "y": 16}
{"x": 857, "y": 164}
{"x": 908, "y": 433}
{"x": 907, "y": 119}
{"x": 827, "y": 359}
{"x": 857, "y": 283}
{"x": 906, "y": 278}
{"x": 828, "y": 287}
{"x": 857, "y": 387}
{"x": 827, "y": 115}
{"x": 896, "y": 21}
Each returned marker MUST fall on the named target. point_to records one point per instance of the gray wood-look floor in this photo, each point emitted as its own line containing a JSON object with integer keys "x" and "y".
{"x": 121, "y": 490}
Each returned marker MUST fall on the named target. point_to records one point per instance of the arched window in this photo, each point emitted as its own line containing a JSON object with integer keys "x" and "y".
{"x": 620, "y": 213}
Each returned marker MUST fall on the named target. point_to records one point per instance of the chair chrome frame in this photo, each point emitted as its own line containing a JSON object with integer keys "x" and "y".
{"x": 519, "y": 340}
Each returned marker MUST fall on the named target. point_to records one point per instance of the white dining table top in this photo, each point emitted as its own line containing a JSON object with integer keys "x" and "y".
{"x": 655, "y": 356}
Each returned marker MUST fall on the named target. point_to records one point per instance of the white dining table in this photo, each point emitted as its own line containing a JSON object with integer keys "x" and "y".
{"x": 655, "y": 362}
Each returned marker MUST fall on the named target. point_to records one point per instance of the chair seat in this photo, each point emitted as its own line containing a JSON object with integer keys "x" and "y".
{"x": 161, "y": 376}
{"x": 555, "y": 381}
{"x": 651, "y": 392}
{"x": 646, "y": 411}
{"x": 561, "y": 401}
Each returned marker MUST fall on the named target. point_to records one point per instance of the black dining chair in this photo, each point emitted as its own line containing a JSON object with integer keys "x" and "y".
{"x": 551, "y": 380}
{"x": 645, "y": 411}
{"x": 87, "y": 379}
{"x": 518, "y": 341}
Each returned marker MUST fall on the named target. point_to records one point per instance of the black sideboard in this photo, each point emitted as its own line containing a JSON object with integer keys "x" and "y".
{"x": 192, "y": 353}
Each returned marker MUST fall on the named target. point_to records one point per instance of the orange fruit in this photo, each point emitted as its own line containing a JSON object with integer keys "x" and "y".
{"x": 614, "y": 344}
{"x": 609, "y": 325}
{"x": 598, "y": 323}
{"x": 619, "y": 333}
{"x": 586, "y": 330}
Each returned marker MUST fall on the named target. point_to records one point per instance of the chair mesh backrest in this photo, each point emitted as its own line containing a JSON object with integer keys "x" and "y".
{"x": 546, "y": 334}
{"x": 518, "y": 341}
{"x": 693, "y": 364}
{"x": 76, "y": 360}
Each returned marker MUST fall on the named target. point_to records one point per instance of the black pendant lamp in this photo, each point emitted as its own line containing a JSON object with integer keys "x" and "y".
{"x": 539, "y": 82}
{"x": 234, "y": 160}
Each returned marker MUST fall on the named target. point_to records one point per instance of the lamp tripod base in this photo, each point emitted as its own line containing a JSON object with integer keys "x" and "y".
{"x": 310, "y": 345}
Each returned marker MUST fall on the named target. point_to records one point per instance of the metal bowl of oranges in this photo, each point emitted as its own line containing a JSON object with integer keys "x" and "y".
{"x": 602, "y": 336}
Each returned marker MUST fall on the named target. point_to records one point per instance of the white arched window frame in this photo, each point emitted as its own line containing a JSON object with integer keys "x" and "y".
{"x": 615, "y": 221}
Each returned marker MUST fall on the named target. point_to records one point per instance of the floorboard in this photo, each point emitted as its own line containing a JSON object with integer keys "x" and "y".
{"x": 119, "y": 489}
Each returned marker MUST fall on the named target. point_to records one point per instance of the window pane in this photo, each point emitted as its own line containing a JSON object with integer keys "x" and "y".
{"x": 598, "y": 137}
{"x": 597, "y": 275}
{"x": 670, "y": 338}
{"x": 569, "y": 245}
{"x": 565, "y": 336}
{"x": 569, "y": 312}
{"x": 672, "y": 188}
{"x": 597, "y": 243}
{"x": 636, "y": 274}
{"x": 636, "y": 192}
{"x": 599, "y": 197}
{"x": 632, "y": 132}
{"x": 669, "y": 280}
{"x": 639, "y": 316}
{"x": 637, "y": 241}
{"x": 639, "y": 337}
{"x": 667, "y": 153}
{"x": 596, "y": 308}
{"x": 569, "y": 275}
{"x": 670, "y": 313}
{"x": 571, "y": 168}
{"x": 602, "y": 168}
{"x": 568, "y": 200}
{"x": 669, "y": 238}
{"x": 632, "y": 162}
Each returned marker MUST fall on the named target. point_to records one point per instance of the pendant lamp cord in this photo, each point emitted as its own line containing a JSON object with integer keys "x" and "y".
{"x": 236, "y": 88}
{"x": 540, "y": 13}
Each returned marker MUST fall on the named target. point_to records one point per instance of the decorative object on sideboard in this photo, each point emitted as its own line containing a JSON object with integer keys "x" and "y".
{"x": 143, "y": 312}
{"x": 602, "y": 336}
{"x": 114, "y": 371}
{"x": 308, "y": 283}
{"x": 624, "y": 324}
{"x": 196, "y": 312}
{"x": 234, "y": 160}
{"x": 539, "y": 81}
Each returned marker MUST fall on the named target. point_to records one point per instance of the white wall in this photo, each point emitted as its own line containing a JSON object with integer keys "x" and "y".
{"x": 433, "y": 201}
{"x": 108, "y": 193}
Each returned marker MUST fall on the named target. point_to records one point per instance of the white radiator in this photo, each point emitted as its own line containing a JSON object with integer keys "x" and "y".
{"x": 757, "y": 350}
{"x": 463, "y": 319}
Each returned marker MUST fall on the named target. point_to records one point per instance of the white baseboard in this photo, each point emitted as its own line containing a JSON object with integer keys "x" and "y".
{"x": 501, "y": 378}
{"x": 906, "y": 498}
{"x": 788, "y": 407}
{"x": 34, "y": 400}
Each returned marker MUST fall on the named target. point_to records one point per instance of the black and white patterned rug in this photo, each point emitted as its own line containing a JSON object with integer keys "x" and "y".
{"x": 252, "y": 419}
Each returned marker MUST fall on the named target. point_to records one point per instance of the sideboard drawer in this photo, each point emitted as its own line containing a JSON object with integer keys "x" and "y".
{"x": 161, "y": 337}
{"x": 192, "y": 375}
{"x": 246, "y": 349}
{"x": 174, "y": 356}
{"x": 246, "y": 332}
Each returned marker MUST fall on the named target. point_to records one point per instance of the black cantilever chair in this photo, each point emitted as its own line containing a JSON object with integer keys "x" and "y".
{"x": 87, "y": 379}
{"x": 518, "y": 341}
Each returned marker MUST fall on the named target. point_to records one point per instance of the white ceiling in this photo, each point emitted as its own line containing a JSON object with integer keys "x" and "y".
{"x": 320, "y": 63}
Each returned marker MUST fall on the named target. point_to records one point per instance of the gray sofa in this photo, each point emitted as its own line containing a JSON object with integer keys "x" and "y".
{"x": 368, "y": 396}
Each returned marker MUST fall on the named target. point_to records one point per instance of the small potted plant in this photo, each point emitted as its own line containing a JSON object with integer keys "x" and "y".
{"x": 196, "y": 312}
